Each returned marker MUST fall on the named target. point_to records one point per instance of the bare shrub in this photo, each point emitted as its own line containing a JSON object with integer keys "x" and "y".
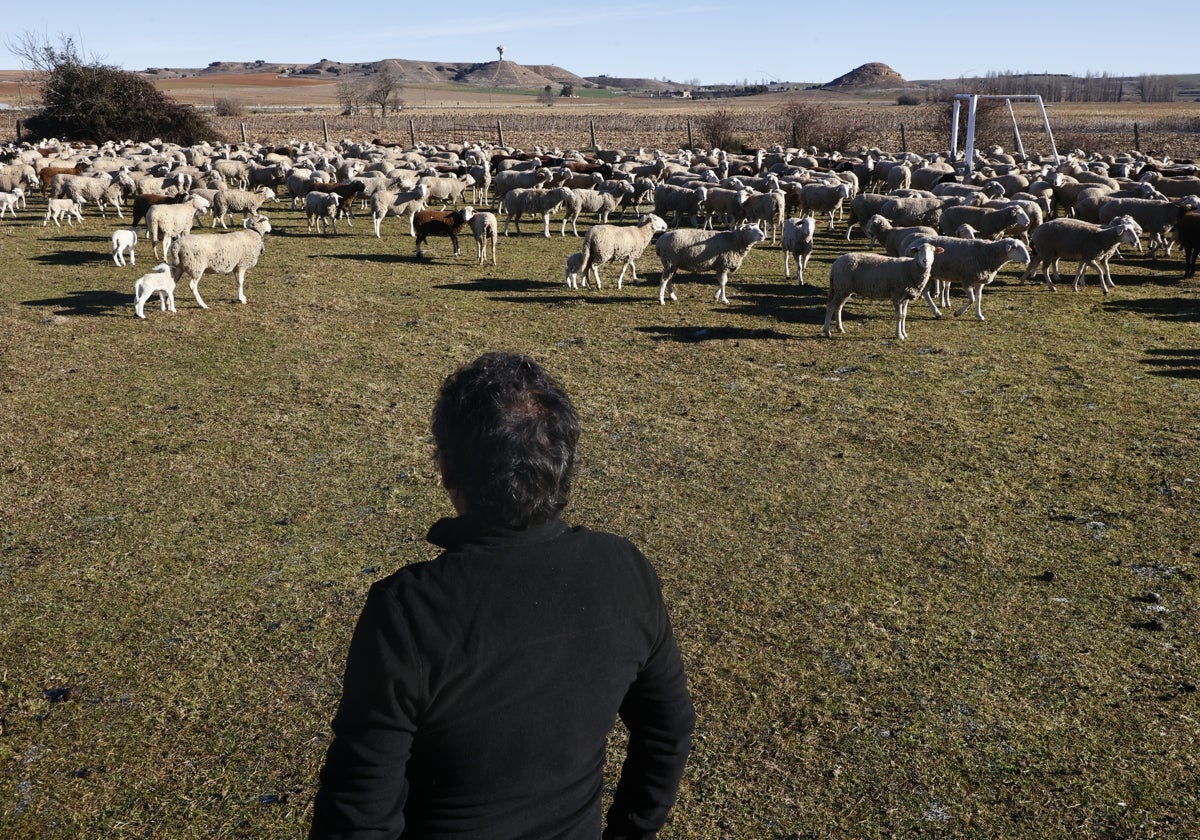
{"x": 227, "y": 106}
{"x": 827, "y": 127}
{"x": 717, "y": 129}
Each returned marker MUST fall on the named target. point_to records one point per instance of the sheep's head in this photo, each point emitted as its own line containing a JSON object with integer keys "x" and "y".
{"x": 752, "y": 234}
{"x": 259, "y": 223}
{"x": 657, "y": 225}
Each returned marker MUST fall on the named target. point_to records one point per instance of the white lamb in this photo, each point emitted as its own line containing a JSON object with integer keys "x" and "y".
{"x": 10, "y": 201}
{"x": 868, "y": 275}
{"x": 159, "y": 280}
{"x": 797, "y": 241}
{"x": 573, "y": 271}
{"x": 610, "y": 243}
{"x": 225, "y": 253}
{"x": 56, "y": 208}
{"x": 484, "y": 228}
{"x": 704, "y": 251}
{"x": 124, "y": 240}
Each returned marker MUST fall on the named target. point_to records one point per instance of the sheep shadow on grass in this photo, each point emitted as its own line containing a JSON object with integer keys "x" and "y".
{"x": 72, "y": 258}
{"x": 789, "y": 303}
{"x": 385, "y": 259}
{"x": 89, "y": 302}
{"x": 695, "y": 334}
{"x": 1163, "y": 309}
{"x": 1176, "y": 363}
{"x": 500, "y": 284}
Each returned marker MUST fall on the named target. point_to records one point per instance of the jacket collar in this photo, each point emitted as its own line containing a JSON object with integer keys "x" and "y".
{"x": 455, "y": 532}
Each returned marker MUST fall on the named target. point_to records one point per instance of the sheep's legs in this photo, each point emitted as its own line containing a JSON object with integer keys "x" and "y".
{"x": 974, "y": 296}
{"x": 901, "y": 317}
{"x": 721, "y": 281}
{"x": 241, "y": 278}
{"x": 195, "y": 284}
{"x": 664, "y": 285}
{"x": 834, "y": 306}
{"x": 937, "y": 313}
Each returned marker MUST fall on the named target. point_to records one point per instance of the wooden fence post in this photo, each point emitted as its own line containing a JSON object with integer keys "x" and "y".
{"x": 325, "y": 129}
{"x": 500, "y": 132}
{"x": 689, "y": 127}
{"x": 592, "y": 127}
{"x": 1137, "y": 140}
{"x": 412, "y": 134}
{"x": 243, "y": 132}
{"x": 903, "y": 139}
{"x": 795, "y": 136}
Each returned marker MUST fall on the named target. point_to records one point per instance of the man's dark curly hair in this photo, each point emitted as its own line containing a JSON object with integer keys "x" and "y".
{"x": 506, "y": 434}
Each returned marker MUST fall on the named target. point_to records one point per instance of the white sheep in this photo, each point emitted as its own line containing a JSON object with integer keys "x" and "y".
{"x": 862, "y": 207}
{"x": 249, "y": 202}
{"x": 484, "y": 228}
{"x": 573, "y": 271}
{"x": 510, "y": 179}
{"x": 322, "y": 208}
{"x": 1155, "y": 217}
{"x": 224, "y": 253}
{"x": 892, "y": 237}
{"x": 446, "y": 190}
{"x": 158, "y": 279}
{"x": 591, "y": 201}
{"x": 971, "y": 262}
{"x": 11, "y": 200}
{"x": 903, "y": 279}
{"x": 704, "y": 251}
{"x": 534, "y": 201}
{"x": 124, "y": 240}
{"x": 57, "y": 208}
{"x": 765, "y": 210}
{"x": 100, "y": 190}
{"x": 386, "y": 203}
{"x": 988, "y": 222}
{"x": 167, "y": 222}
{"x": 797, "y": 241}
{"x": 611, "y": 243}
{"x": 722, "y": 204}
{"x": 1090, "y": 244}
{"x": 674, "y": 201}
{"x": 823, "y": 199}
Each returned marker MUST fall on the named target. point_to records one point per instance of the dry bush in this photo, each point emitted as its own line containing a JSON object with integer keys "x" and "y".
{"x": 227, "y": 106}
{"x": 828, "y": 128}
{"x": 717, "y": 129}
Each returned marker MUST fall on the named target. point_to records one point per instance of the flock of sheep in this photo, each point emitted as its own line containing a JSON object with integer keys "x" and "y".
{"x": 936, "y": 228}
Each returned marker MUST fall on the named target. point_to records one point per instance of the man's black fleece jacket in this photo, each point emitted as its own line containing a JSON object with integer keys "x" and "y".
{"x": 481, "y": 685}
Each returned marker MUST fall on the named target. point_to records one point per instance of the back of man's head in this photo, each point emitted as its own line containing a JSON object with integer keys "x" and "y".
{"x": 506, "y": 435}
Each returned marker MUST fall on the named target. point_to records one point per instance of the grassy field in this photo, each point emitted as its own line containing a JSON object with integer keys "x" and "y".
{"x": 943, "y": 587}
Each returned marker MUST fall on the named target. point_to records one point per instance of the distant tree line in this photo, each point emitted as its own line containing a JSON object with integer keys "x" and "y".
{"x": 1054, "y": 87}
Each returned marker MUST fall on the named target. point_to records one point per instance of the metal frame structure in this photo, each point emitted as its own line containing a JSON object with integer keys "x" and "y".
{"x": 973, "y": 104}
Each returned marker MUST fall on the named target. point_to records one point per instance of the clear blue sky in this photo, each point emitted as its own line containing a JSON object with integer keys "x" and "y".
{"x": 682, "y": 41}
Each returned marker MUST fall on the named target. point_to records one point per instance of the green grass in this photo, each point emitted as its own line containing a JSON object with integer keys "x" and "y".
{"x": 852, "y": 534}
